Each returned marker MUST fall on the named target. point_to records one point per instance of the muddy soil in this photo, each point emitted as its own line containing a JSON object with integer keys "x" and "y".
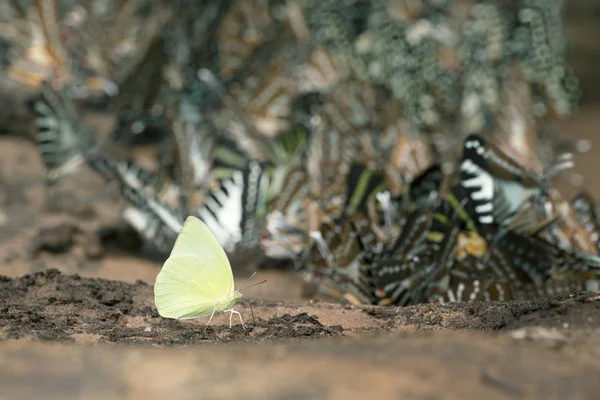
{"x": 77, "y": 318}
{"x": 49, "y": 306}
{"x": 78, "y": 337}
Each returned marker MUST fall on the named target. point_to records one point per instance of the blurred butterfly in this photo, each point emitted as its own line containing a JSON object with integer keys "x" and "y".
{"x": 497, "y": 184}
{"x": 61, "y": 136}
{"x": 196, "y": 280}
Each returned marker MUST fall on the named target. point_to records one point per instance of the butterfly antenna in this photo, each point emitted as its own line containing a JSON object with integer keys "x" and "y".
{"x": 254, "y": 284}
{"x": 251, "y": 308}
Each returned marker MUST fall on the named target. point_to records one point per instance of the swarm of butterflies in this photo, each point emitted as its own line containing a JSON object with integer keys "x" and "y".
{"x": 434, "y": 186}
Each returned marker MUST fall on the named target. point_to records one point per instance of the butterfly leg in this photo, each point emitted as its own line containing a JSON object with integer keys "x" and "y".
{"x": 211, "y": 316}
{"x": 241, "y": 320}
{"x": 231, "y": 312}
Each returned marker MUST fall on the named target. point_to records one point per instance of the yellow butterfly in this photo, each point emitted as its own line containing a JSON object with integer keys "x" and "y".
{"x": 196, "y": 280}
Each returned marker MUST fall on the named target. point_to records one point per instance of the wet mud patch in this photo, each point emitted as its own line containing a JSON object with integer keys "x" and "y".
{"x": 581, "y": 310}
{"x": 52, "y": 306}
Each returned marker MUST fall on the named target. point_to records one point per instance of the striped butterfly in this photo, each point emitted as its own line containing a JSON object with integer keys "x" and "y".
{"x": 496, "y": 184}
{"x": 62, "y": 138}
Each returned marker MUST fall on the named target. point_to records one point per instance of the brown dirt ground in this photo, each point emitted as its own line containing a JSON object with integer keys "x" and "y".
{"x": 77, "y": 318}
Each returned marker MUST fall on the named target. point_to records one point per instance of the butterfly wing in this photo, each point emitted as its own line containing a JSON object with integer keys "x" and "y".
{"x": 61, "y": 138}
{"x": 196, "y": 279}
{"x": 233, "y": 210}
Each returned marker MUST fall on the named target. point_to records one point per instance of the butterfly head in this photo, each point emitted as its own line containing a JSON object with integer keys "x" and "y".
{"x": 234, "y": 298}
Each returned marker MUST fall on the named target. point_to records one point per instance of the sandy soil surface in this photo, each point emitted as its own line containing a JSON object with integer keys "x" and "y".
{"x": 77, "y": 318}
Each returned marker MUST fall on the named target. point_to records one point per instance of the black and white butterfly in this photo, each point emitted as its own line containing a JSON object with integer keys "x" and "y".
{"x": 498, "y": 185}
{"x": 234, "y": 209}
{"x": 61, "y": 135}
{"x": 337, "y": 260}
{"x": 231, "y": 210}
{"x": 396, "y": 272}
{"x": 148, "y": 213}
{"x": 546, "y": 270}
